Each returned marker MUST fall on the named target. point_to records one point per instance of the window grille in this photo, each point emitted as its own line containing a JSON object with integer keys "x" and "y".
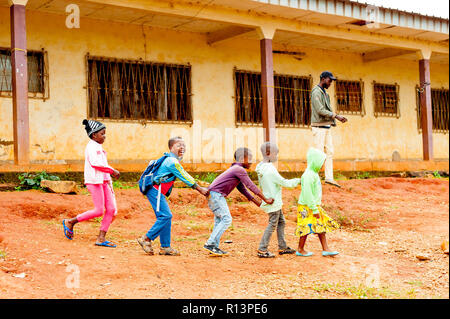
{"x": 386, "y": 100}
{"x": 138, "y": 90}
{"x": 38, "y": 79}
{"x": 439, "y": 109}
{"x": 349, "y": 97}
{"x": 292, "y": 98}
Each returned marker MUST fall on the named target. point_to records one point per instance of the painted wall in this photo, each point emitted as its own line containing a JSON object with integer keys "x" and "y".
{"x": 56, "y": 133}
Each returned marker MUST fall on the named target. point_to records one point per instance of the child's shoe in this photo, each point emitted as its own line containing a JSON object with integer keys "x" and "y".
{"x": 309, "y": 254}
{"x": 213, "y": 250}
{"x": 286, "y": 251}
{"x": 225, "y": 253}
{"x": 169, "y": 251}
{"x": 146, "y": 245}
{"x": 265, "y": 254}
{"x": 329, "y": 253}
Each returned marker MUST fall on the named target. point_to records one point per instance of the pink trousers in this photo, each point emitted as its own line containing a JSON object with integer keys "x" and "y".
{"x": 104, "y": 202}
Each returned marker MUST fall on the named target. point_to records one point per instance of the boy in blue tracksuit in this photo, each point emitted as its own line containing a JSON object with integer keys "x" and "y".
{"x": 169, "y": 170}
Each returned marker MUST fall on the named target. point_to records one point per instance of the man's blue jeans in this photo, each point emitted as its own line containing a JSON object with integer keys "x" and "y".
{"x": 222, "y": 217}
{"x": 163, "y": 224}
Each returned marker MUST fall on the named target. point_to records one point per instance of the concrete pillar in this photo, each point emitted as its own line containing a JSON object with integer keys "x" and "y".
{"x": 19, "y": 82}
{"x": 425, "y": 106}
{"x": 267, "y": 84}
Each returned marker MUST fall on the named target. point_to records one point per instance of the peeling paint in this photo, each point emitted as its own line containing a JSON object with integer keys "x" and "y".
{"x": 51, "y": 151}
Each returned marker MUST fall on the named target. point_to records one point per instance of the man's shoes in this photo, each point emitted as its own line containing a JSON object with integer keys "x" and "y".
{"x": 146, "y": 245}
{"x": 287, "y": 251}
{"x": 332, "y": 182}
{"x": 213, "y": 250}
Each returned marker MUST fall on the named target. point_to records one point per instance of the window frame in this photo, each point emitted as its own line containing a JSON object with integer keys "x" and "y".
{"x": 386, "y": 114}
{"x": 277, "y": 125}
{"x": 142, "y": 121}
{"x": 419, "y": 122}
{"x": 45, "y": 78}
{"x": 362, "y": 111}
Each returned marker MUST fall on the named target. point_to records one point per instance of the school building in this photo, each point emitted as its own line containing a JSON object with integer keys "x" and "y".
{"x": 223, "y": 73}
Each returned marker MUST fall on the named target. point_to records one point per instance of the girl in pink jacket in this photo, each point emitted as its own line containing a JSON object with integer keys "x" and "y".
{"x": 97, "y": 177}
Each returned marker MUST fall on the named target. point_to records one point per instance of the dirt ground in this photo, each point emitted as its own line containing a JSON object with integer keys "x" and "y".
{"x": 386, "y": 224}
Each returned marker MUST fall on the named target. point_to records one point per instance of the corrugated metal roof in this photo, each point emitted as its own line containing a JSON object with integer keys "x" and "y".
{"x": 357, "y": 10}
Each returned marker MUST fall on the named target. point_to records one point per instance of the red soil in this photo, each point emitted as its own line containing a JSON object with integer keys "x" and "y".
{"x": 386, "y": 222}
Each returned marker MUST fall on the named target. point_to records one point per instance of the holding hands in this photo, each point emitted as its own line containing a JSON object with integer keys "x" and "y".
{"x": 202, "y": 190}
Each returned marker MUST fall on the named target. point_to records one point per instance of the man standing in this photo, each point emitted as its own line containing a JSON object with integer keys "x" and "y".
{"x": 322, "y": 118}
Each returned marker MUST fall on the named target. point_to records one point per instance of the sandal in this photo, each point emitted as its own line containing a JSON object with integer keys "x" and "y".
{"x": 265, "y": 254}
{"x": 106, "y": 244}
{"x": 67, "y": 232}
{"x": 168, "y": 251}
{"x": 286, "y": 251}
{"x": 146, "y": 245}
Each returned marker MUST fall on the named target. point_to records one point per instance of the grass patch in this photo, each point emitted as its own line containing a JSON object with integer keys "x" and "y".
{"x": 2, "y": 254}
{"x": 190, "y": 211}
{"x": 124, "y": 185}
{"x": 362, "y": 292}
{"x": 208, "y": 178}
{"x": 340, "y": 177}
{"x": 416, "y": 283}
{"x": 363, "y": 175}
{"x": 342, "y": 219}
{"x": 184, "y": 239}
{"x": 197, "y": 226}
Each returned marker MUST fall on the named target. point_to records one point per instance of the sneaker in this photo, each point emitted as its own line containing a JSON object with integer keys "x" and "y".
{"x": 225, "y": 253}
{"x": 265, "y": 254}
{"x": 287, "y": 251}
{"x": 169, "y": 251}
{"x": 146, "y": 245}
{"x": 213, "y": 250}
{"x": 332, "y": 182}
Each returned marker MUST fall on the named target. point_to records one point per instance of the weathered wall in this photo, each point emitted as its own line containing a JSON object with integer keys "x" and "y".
{"x": 56, "y": 132}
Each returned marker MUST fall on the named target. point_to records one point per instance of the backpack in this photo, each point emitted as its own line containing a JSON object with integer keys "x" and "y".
{"x": 146, "y": 181}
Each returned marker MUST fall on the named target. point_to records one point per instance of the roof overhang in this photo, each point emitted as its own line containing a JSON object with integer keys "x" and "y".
{"x": 224, "y": 20}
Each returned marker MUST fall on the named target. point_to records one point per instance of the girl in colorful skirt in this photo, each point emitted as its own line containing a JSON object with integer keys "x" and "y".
{"x": 97, "y": 177}
{"x": 311, "y": 218}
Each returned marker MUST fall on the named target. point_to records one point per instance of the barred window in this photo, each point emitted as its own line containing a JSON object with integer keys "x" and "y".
{"x": 38, "y": 86}
{"x": 439, "y": 109}
{"x": 386, "y": 100}
{"x": 291, "y": 97}
{"x": 349, "y": 97}
{"x": 138, "y": 90}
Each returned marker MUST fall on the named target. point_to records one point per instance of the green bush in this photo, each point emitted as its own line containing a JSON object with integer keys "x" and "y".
{"x": 33, "y": 180}
{"x": 208, "y": 178}
{"x": 436, "y": 174}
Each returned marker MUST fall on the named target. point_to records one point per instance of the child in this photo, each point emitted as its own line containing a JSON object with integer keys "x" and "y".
{"x": 98, "y": 182}
{"x": 164, "y": 178}
{"x": 234, "y": 177}
{"x": 311, "y": 218}
{"x": 271, "y": 183}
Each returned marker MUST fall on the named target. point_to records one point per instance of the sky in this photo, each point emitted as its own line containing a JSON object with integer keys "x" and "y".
{"x": 437, "y": 8}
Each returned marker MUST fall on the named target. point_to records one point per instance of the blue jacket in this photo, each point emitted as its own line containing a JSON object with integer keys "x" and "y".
{"x": 170, "y": 170}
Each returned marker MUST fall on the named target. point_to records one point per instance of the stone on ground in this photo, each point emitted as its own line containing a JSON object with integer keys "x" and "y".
{"x": 60, "y": 187}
